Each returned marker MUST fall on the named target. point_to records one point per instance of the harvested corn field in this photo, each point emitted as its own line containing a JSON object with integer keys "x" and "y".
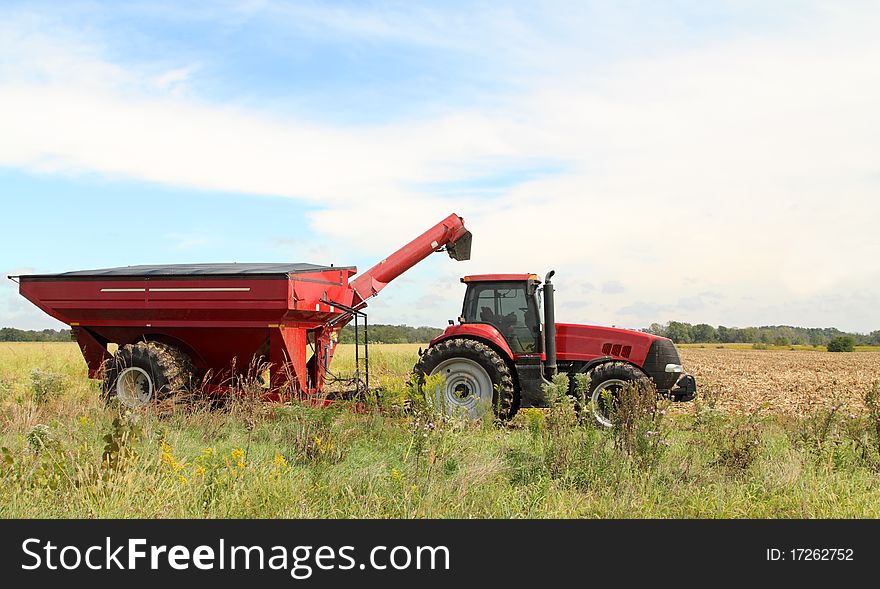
{"x": 785, "y": 382}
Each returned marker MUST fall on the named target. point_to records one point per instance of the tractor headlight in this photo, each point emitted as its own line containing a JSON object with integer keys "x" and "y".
{"x": 673, "y": 368}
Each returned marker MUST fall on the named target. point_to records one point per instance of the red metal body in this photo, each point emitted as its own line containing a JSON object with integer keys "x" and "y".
{"x": 574, "y": 343}
{"x": 499, "y": 277}
{"x": 367, "y": 285}
{"x": 224, "y": 320}
{"x": 577, "y": 344}
{"x": 481, "y": 331}
{"x": 582, "y": 343}
{"x": 503, "y": 312}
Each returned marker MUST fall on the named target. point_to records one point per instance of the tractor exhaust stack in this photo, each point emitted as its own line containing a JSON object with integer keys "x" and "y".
{"x": 549, "y": 327}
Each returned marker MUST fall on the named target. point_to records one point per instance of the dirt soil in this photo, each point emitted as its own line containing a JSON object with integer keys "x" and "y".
{"x": 786, "y": 382}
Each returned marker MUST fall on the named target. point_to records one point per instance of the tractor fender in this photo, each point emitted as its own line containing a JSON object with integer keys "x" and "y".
{"x": 479, "y": 331}
{"x": 489, "y": 335}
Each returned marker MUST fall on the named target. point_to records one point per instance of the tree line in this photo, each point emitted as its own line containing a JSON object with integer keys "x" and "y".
{"x": 390, "y": 334}
{"x": 11, "y": 334}
{"x": 776, "y": 335}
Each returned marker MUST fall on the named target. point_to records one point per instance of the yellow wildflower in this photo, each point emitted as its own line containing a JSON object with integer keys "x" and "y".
{"x": 238, "y": 456}
{"x": 168, "y": 458}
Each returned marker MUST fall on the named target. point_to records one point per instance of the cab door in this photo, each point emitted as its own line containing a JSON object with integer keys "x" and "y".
{"x": 508, "y": 307}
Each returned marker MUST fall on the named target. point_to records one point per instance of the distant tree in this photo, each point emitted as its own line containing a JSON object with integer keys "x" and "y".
{"x": 784, "y": 332}
{"x": 11, "y": 334}
{"x": 766, "y": 335}
{"x": 781, "y": 340}
{"x": 391, "y": 334}
{"x": 841, "y": 343}
{"x": 704, "y": 334}
{"x": 748, "y": 335}
{"x": 680, "y": 333}
{"x": 656, "y": 329}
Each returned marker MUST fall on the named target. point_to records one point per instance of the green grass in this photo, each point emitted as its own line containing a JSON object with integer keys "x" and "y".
{"x": 65, "y": 457}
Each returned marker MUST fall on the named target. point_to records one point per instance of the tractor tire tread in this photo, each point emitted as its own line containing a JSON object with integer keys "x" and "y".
{"x": 170, "y": 368}
{"x": 615, "y": 369}
{"x": 504, "y": 401}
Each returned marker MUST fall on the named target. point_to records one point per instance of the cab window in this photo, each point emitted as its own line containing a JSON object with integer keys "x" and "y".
{"x": 508, "y": 307}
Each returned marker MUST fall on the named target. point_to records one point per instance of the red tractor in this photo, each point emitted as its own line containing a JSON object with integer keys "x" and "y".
{"x": 501, "y": 354}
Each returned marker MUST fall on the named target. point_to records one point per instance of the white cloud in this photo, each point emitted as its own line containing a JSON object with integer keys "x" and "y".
{"x": 16, "y": 311}
{"x": 746, "y": 167}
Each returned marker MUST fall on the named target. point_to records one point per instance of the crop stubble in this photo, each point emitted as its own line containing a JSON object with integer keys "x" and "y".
{"x": 786, "y": 382}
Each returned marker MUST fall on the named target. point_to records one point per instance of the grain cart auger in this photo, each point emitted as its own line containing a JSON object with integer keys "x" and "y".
{"x": 212, "y": 323}
{"x": 501, "y": 353}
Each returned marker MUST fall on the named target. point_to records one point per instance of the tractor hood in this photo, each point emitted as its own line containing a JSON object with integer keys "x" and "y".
{"x": 651, "y": 353}
{"x": 587, "y": 342}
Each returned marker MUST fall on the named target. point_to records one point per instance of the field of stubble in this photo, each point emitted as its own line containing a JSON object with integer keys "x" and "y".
{"x": 784, "y": 382}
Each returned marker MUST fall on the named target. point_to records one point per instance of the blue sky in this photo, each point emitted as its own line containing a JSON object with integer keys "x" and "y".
{"x": 671, "y": 160}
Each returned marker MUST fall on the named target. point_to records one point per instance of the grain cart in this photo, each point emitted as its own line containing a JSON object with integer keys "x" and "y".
{"x": 206, "y": 323}
{"x": 501, "y": 354}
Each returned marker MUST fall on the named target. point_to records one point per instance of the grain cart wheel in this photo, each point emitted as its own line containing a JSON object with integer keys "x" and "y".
{"x": 611, "y": 377}
{"x": 476, "y": 379}
{"x": 147, "y": 372}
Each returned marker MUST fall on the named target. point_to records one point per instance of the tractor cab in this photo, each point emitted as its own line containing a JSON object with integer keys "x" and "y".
{"x": 508, "y": 302}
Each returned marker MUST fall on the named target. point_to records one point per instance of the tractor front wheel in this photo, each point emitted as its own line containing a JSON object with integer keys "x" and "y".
{"x": 606, "y": 382}
{"x": 476, "y": 379}
{"x": 147, "y": 372}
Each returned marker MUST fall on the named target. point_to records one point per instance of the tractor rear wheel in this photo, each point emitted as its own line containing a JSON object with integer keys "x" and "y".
{"x": 611, "y": 378}
{"x": 147, "y": 373}
{"x": 476, "y": 379}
